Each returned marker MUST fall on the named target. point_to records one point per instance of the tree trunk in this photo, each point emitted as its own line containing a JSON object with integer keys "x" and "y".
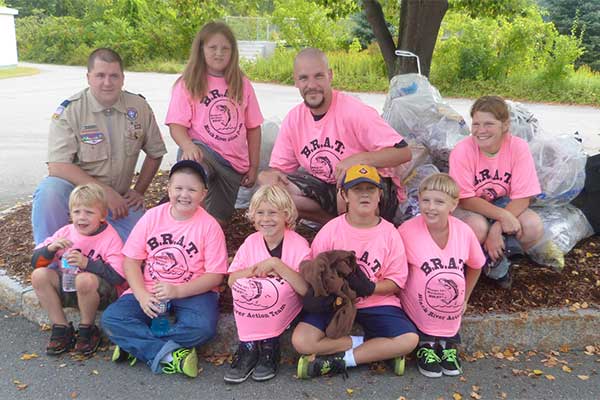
{"x": 420, "y": 22}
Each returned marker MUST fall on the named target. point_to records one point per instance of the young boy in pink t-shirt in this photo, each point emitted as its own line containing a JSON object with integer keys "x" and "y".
{"x": 215, "y": 119}
{"x": 388, "y": 334}
{"x": 91, "y": 246}
{"x": 175, "y": 256}
{"x": 497, "y": 180}
{"x": 265, "y": 284}
{"x": 444, "y": 263}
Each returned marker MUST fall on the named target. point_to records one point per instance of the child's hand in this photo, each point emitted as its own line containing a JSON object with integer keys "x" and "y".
{"x": 494, "y": 244}
{"x": 249, "y": 179}
{"x": 265, "y": 268}
{"x": 510, "y": 224}
{"x": 76, "y": 259}
{"x": 59, "y": 244}
{"x": 149, "y": 304}
{"x": 191, "y": 152}
{"x": 165, "y": 291}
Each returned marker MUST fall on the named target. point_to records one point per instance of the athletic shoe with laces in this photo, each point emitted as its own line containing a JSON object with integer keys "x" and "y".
{"x": 428, "y": 362}
{"x": 88, "y": 339}
{"x": 268, "y": 360}
{"x": 185, "y": 361}
{"x": 449, "y": 363}
{"x": 313, "y": 366}
{"x": 120, "y": 355}
{"x": 62, "y": 339}
{"x": 243, "y": 363}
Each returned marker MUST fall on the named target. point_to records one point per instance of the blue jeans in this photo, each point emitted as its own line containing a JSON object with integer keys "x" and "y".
{"x": 50, "y": 210}
{"x": 127, "y": 326}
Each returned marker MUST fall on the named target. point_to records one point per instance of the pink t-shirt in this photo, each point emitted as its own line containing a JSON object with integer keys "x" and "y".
{"x": 264, "y": 307}
{"x": 434, "y": 294}
{"x": 379, "y": 253}
{"x": 348, "y": 128}
{"x": 216, "y": 120}
{"x": 177, "y": 251}
{"x": 511, "y": 172}
{"x": 105, "y": 246}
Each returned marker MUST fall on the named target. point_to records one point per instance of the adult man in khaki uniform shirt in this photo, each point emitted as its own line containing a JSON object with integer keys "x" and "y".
{"x": 96, "y": 136}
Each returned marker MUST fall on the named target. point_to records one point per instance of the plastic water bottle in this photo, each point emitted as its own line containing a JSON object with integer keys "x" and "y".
{"x": 69, "y": 272}
{"x": 160, "y": 324}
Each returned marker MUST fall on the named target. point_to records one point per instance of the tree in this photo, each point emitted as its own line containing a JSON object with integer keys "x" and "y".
{"x": 419, "y": 24}
{"x": 577, "y": 16}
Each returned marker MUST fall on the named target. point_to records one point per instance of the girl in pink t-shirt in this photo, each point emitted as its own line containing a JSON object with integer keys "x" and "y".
{"x": 444, "y": 263}
{"x": 265, "y": 284}
{"x": 388, "y": 333}
{"x": 92, "y": 248}
{"x": 497, "y": 180}
{"x": 215, "y": 119}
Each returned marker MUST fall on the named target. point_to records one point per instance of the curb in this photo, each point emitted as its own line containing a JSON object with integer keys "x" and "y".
{"x": 541, "y": 330}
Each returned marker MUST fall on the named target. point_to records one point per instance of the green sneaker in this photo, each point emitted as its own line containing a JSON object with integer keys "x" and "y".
{"x": 450, "y": 363}
{"x": 120, "y": 355}
{"x": 399, "y": 363}
{"x": 185, "y": 361}
{"x": 313, "y": 366}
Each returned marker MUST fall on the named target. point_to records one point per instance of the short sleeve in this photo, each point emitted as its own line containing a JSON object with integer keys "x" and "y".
{"x": 135, "y": 247}
{"x": 525, "y": 181}
{"x": 373, "y": 132}
{"x": 395, "y": 268}
{"x": 476, "y": 258}
{"x": 62, "y": 143}
{"x": 254, "y": 117}
{"x": 240, "y": 260}
{"x": 215, "y": 250}
{"x": 180, "y": 107}
{"x": 461, "y": 169}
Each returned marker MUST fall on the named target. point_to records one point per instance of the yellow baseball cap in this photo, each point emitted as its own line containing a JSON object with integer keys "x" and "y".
{"x": 361, "y": 173}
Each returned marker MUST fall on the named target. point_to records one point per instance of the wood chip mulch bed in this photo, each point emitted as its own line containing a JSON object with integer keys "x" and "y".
{"x": 577, "y": 286}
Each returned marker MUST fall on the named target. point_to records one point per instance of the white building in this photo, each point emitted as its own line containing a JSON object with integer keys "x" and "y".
{"x": 8, "y": 38}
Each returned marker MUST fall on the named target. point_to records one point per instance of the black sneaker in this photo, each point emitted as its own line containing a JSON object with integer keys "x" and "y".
{"x": 450, "y": 362}
{"x": 428, "y": 362}
{"x": 269, "y": 355}
{"x": 243, "y": 363}
{"x": 88, "y": 339}
{"x": 62, "y": 339}
{"x": 313, "y": 366}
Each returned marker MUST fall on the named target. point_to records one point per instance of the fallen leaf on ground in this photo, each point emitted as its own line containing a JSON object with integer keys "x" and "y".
{"x": 95, "y": 372}
{"x": 583, "y": 377}
{"x": 564, "y": 348}
{"x": 462, "y": 379}
{"x": 475, "y": 388}
{"x": 20, "y": 385}
{"x": 29, "y": 356}
{"x": 475, "y": 395}
{"x": 566, "y": 368}
{"x": 538, "y": 372}
{"x": 550, "y": 377}
{"x": 457, "y": 396}
{"x": 350, "y": 391}
{"x": 74, "y": 395}
{"x": 45, "y": 327}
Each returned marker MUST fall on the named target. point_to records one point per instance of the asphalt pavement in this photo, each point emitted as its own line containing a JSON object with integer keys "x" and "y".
{"x": 527, "y": 376}
{"x": 27, "y": 103}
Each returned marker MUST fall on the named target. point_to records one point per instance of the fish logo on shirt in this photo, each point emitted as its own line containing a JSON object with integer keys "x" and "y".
{"x": 255, "y": 294}
{"x": 442, "y": 292}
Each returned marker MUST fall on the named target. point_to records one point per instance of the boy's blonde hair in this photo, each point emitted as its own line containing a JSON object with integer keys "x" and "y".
{"x": 89, "y": 195}
{"x": 441, "y": 183}
{"x": 279, "y": 198}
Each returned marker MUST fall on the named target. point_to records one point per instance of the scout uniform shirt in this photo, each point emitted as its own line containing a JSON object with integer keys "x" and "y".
{"x": 104, "y": 141}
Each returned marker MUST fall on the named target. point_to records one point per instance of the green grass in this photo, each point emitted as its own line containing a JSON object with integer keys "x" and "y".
{"x": 14, "y": 72}
{"x": 164, "y": 66}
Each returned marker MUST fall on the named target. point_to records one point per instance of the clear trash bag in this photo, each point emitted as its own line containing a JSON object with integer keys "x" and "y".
{"x": 416, "y": 110}
{"x": 564, "y": 227}
{"x": 410, "y": 207}
{"x": 560, "y": 165}
{"x": 522, "y": 121}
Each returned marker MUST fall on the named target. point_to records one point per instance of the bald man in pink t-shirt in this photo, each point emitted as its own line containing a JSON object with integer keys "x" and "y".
{"x": 329, "y": 132}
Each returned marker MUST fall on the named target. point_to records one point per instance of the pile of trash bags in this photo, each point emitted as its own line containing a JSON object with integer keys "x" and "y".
{"x": 416, "y": 110}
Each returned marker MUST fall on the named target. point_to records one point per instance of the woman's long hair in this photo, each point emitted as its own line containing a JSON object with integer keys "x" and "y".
{"x": 196, "y": 71}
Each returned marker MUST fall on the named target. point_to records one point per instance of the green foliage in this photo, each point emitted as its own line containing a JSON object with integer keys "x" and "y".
{"x": 493, "y": 9}
{"x": 580, "y": 17}
{"x": 499, "y": 48}
{"x": 305, "y": 23}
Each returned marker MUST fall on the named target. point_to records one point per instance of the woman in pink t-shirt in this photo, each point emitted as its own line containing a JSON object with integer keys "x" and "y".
{"x": 265, "y": 284}
{"x": 497, "y": 180}
{"x": 215, "y": 119}
{"x": 444, "y": 263}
